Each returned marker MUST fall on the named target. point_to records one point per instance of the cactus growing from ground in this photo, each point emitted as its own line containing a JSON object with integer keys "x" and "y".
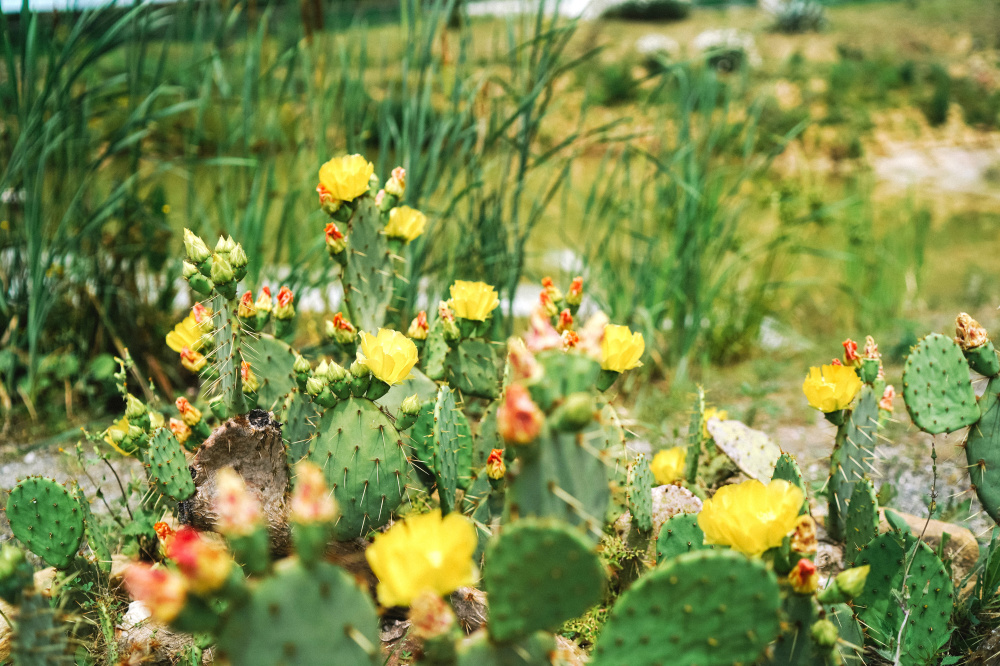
{"x": 39, "y": 640}
{"x": 861, "y": 525}
{"x": 852, "y": 459}
{"x": 47, "y": 519}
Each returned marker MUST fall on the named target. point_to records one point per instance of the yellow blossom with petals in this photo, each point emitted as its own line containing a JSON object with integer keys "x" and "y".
{"x": 389, "y": 355}
{"x": 831, "y": 387}
{"x": 668, "y": 465}
{"x": 621, "y": 349}
{"x": 751, "y": 517}
{"x": 473, "y": 300}
{"x": 425, "y": 552}
{"x": 346, "y": 178}
{"x": 405, "y": 223}
{"x": 711, "y": 412}
{"x": 188, "y": 333}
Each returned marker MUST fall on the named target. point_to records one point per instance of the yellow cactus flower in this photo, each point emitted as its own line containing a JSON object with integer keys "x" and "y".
{"x": 831, "y": 387}
{"x": 473, "y": 300}
{"x": 345, "y": 178}
{"x": 425, "y": 552}
{"x": 188, "y": 333}
{"x": 668, "y": 465}
{"x": 405, "y": 223}
{"x": 116, "y": 434}
{"x": 751, "y": 517}
{"x": 389, "y": 355}
{"x": 621, "y": 349}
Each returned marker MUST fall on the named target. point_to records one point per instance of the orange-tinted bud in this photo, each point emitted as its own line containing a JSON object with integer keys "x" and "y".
{"x": 565, "y": 321}
{"x": 418, "y": 327}
{"x": 570, "y": 339}
{"x": 180, "y": 429}
{"x": 495, "y": 467}
{"x": 969, "y": 334}
{"x": 164, "y": 592}
{"x": 575, "y": 294}
{"x": 887, "y": 397}
{"x": 336, "y": 242}
{"x": 871, "y": 349}
{"x": 205, "y": 565}
{"x": 519, "y": 420}
{"x": 804, "y": 577}
{"x": 286, "y": 300}
{"x": 851, "y": 352}
{"x": 190, "y": 414}
{"x": 548, "y": 306}
{"x": 264, "y": 302}
{"x": 804, "y": 537}
{"x": 192, "y": 360}
{"x": 247, "y": 308}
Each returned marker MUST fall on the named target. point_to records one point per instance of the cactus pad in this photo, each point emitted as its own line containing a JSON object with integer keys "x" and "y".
{"x": 851, "y": 639}
{"x": 167, "y": 467}
{"x": 862, "y": 520}
{"x": 277, "y": 624}
{"x": 539, "y": 574}
{"x": 680, "y": 535}
{"x": 47, "y": 519}
{"x": 982, "y": 450}
{"x": 788, "y": 470}
{"x": 711, "y": 608}
{"x": 361, "y": 454}
{"x": 422, "y": 444}
{"x": 368, "y": 275}
{"x": 929, "y": 602}
{"x": 478, "y": 650}
{"x": 299, "y": 416}
{"x": 95, "y": 536}
{"x": 271, "y": 361}
{"x": 640, "y": 495}
{"x": 936, "y": 386}
{"x": 752, "y": 451}
{"x": 38, "y": 640}
{"x": 452, "y": 448}
{"x": 696, "y": 429}
{"x": 474, "y": 368}
{"x": 852, "y": 458}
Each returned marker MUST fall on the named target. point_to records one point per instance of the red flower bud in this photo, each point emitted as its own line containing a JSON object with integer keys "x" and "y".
{"x": 519, "y": 420}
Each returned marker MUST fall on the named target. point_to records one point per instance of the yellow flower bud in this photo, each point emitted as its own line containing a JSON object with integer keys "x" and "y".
{"x": 405, "y": 223}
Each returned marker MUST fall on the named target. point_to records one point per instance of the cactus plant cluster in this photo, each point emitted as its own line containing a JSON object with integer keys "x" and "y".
{"x": 452, "y": 459}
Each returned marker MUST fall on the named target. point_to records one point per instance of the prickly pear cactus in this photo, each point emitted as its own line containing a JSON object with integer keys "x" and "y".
{"x": 640, "y": 495}
{"x": 895, "y": 562}
{"x": 539, "y": 574}
{"x": 368, "y": 275}
{"x": 787, "y": 469}
{"x": 95, "y": 536}
{"x": 679, "y": 535}
{"x": 452, "y": 448}
{"x": 936, "y": 386}
{"x": 474, "y": 369}
{"x": 982, "y": 451}
{"x": 852, "y": 458}
{"x": 47, "y": 519}
{"x": 38, "y": 639}
{"x": 695, "y": 431}
{"x": 167, "y": 467}
{"x": 423, "y": 446}
{"x": 712, "y": 608}
{"x": 228, "y": 357}
{"x": 478, "y": 650}
{"x": 361, "y": 454}
{"x": 851, "y": 638}
{"x": 862, "y": 521}
{"x": 271, "y": 361}
{"x": 276, "y": 623}
{"x": 752, "y": 451}
{"x": 299, "y": 418}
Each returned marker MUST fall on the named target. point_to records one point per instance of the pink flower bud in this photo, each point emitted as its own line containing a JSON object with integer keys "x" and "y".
{"x": 519, "y": 420}
{"x": 418, "y": 327}
{"x": 887, "y": 397}
{"x": 542, "y": 334}
{"x": 180, "y": 429}
{"x": 871, "y": 349}
{"x": 430, "y": 615}
{"x": 286, "y": 299}
{"x": 312, "y": 501}
{"x": 851, "y": 352}
{"x": 163, "y": 591}
{"x": 522, "y": 362}
{"x": 205, "y": 565}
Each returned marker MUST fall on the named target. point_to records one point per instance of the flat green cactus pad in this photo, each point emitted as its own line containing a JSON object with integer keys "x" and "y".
{"x": 474, "y": 368}
{"x": 862, "y": 520}
{"x": 452, "y": 448}
{"x": 680, "y": 535}
{"x": 47, "y": 519}
{"x": 368, "y": 275}
{"x": 851, "y": 639}
{"x": 711, "y": 608}
{"x": 982, "y": 450}
{"x": 640, "y": 494}
{"x": 564, "y": 374}
{"x": 167, "y": 467}
{"x": 539, "y": 574}
{"x": 96, "y": 539}
{"x": 486, "y": 437}
{"x": 307, "y": 617}
{"x": 299, "y": 417}
{"x": 852, "y": 459}
{"x": 364, "y": 461}
{"x": 420, "y": 439}
{"x": 788, "y": 470}
{"x": 752, "y": 451}
{"x": 936, "y": 386}
{"x": 271, "y": 361}
{"x": 38, "y": 639}
{"x": 929, "y": 602}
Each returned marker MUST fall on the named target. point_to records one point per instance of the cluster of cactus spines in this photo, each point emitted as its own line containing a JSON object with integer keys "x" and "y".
{"x": 276, "y": 622}
{"x": 167, "y": 467}
{"x": 39, "y": 639}
{"x": 539, "y": 574}
{"x": 862, "y": 521}
{"x": 640, "y": 495}
{"x": 936, "y": 386}
{"x": 473, "y": 367}
{"x": 46, "y": 518}
{"x": 852, "y": 458}
{"x": 96, "y": 539}
{"x": 453, "y": 445}
{"x": 695, "y": 432}
{"x": 678, "y": 535}
{"x": 752, "y": 450}
{"x": 905, "y": 572}
{"x": 709, "y": 608}
{"x": 362, "y": 456}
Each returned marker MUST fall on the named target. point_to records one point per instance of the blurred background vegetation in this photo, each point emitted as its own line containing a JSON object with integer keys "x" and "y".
{"x": 744, "y": 184}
